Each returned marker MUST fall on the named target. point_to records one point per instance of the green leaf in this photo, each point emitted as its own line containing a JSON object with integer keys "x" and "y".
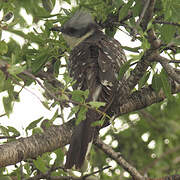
{"x": 134, "y": 49}
{"x": 96, "y": 104}
{"x": 55, "y": 116}
{"x": 149, "y": 26}
{"x": 38, "y": 130}
{"x": 167, "y": 33}
{"x": 59, "y": 157}
{"x": 13, "y": 58}
{"x": 79, "y": 95}
{"x": 159, "y": 147}
{"x": 27, "y": 167}
{"x": 165, "y": 84}
{"x": 3, "y": 48}
{"x": 125, "y": 9}
{"x": 40, "y": 60}
{"x": 57, "y": 66}
{"x": 13, "y": 69}
{"x": 143, "y": 80}
{"x": 4, "y": 130}
{"x": 0, "y": 33}
{"x": 145, "y": 44}
{"x": 2, "y": 80}
{"x": 98, "y": 123}
{"x": 123, "y": 69}
{"x": 86, "y": 93}
{"x": 40, "y": 164}
{"x": 67, "y": 78}
{"x": 74, "y": 110}
{"x": 5, "y": 178}
{"x": 81, "y": 114}
{"x": 47, "y": 4}
{"x": 33, "y": 124}
{"x": 45, "y": 104}
{"x": 18, "y": 32}
{"x": 156, "y": 83}
{"x": 13, "y": 130}
{"x": 137, "y": 8}
{"x": 7, "y": 102}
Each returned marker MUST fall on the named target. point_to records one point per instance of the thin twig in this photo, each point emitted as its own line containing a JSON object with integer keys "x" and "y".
{"x": 143, "y": 12}
{"x": 165, "y": 22}
{"x": 3, "y": 115}
{"x": 95, "y": 172}
{"x": 39, "y": 82}
{"x": 174, "y": 61}
{"x": 8, "y": 137}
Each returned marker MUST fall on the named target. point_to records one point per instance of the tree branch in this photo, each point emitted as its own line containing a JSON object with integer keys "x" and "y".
{"x": 168, "y": 68}
{"x": 144, "y": 98}
{"x": 148, "y": 13}
{"x": 35, "y": 145}
{"x": 119, "y": 159}
{"x": 165, "y": 22}
{"x": 146, "y": 4}
{"x": 137, "y": 73}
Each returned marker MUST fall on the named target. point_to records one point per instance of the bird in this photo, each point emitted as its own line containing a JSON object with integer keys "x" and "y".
{"x": 94, "y": 63}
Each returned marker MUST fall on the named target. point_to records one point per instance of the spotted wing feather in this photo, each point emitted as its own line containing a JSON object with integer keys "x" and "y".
{"x": 94, "y": 64}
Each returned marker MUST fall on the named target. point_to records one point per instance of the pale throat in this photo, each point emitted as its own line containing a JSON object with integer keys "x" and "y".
{"x": 74, "y": 41}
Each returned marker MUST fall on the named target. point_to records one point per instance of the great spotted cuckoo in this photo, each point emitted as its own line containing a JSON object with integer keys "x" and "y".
{"x": 94, "y": 63}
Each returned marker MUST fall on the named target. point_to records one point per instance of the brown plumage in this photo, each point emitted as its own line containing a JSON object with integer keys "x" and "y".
{"x": 94, "y": 63}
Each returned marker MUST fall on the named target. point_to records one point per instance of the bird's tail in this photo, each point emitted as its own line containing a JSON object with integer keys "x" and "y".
{"x": 81, "y": 139}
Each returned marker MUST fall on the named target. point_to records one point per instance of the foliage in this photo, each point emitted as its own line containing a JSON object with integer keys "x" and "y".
{"x": 44, "y": 51}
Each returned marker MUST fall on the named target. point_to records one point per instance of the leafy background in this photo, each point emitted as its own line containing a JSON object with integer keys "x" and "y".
{"x": 148, "y": 139}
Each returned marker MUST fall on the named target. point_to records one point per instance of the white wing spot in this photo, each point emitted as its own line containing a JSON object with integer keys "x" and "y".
{"x": 106, "y": 83}
{"x": 89, "y": 148}
{"x": 108, "y": 87}
{"x": 109, "y": 57}
{"x": 79, "y": 86}
{"x": 106, "y": 53}
{"x": 96, "y": 93}
{"x": 116, "y": 75}
{"x": 117, "y": 60}
{"x": 89, "y": 76}
{"x": 83, "y": 64}
{"x": 116, "y": 45}
{"x": 79, "y": 53}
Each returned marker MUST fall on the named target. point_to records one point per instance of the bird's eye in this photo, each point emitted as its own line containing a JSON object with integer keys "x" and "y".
{"x": 72, "y": 30}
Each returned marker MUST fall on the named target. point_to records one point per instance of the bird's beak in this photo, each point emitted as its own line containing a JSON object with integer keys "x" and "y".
{"x": 57, "y": 28}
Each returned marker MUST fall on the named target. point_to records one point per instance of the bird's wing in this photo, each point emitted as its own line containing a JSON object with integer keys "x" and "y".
{"x": 94, "y": 64}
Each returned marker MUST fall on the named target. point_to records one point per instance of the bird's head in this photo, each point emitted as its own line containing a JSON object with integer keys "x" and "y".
{"x": 79, "y": 27}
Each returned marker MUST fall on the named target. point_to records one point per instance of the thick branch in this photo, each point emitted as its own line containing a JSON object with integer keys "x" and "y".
{"x": 144, "y": 98}
{"x": 119, "y": 159}
{"x": 35, "y": 145}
